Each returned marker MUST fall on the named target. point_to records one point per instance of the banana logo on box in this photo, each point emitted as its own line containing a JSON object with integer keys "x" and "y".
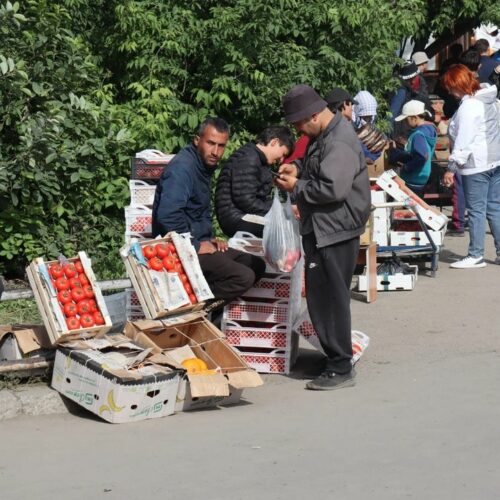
{"x": 111, "y": 406}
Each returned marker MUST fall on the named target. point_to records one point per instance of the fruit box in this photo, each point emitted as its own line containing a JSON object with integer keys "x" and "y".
{"x": 159, "y": 292}
{"x": 391, "y": 282}
{"x": 50, "y": 309}
{"x": 394, "y": 186}
{"x": 115, "y": 379}
{"x": 193, "y": 335}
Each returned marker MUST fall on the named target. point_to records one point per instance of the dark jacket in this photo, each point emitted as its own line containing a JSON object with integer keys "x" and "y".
{"x": 182, "y": 198}
{"x": 333, "y": 189}
{"x": 243, "y": 187}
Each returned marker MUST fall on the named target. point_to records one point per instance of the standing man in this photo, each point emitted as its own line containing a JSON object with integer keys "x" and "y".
{"x": 332, "y": 190}
{"x": 182, "y": 204}
{"x": 340, "y": 100}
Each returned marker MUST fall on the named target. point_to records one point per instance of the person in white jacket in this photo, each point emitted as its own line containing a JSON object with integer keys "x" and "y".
{"x": 474, "y": 131}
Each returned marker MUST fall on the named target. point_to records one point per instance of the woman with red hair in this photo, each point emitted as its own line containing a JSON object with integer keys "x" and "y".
{"x": 474, "y": 131}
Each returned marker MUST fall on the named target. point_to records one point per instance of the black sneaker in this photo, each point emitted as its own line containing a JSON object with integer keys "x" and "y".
{"x": 328, "y": 381}
{"x": 456, "y": 233}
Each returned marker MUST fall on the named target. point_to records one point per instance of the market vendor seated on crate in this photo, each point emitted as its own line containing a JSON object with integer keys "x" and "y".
{"x": 182, "y": 204}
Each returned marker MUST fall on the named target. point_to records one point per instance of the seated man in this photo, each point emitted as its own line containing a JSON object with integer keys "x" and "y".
{"x": 245, "y": 182}
{"x": 182, "y": 204}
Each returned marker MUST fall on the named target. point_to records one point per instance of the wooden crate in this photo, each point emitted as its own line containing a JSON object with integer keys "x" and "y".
{"x": 50, "y": 309}
{"x": 149, "y": 297}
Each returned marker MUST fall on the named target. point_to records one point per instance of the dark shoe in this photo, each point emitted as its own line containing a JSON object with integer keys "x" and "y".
{"x": 456, "y": 233}
{"x": 328, "y": 381}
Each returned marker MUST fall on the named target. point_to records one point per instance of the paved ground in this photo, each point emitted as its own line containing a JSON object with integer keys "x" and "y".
{"x": 421, "y": 423}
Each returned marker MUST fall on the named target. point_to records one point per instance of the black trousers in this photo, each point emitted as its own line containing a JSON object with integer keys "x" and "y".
{"x": 329, "y": 273}
{"x": 231, "y": 273}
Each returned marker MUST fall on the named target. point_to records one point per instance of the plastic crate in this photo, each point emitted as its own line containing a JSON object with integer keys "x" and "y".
{"x": 278, "y": 287}
{"x": 251, "y": 336}
{"x": 138, "y": 220}
{"x": 241, "y": 310}
{"x": 142, "y": 169}
{"x": 116, "y": 304}
{"x": 273, "y": 362}
{"x": 141, "y": 193}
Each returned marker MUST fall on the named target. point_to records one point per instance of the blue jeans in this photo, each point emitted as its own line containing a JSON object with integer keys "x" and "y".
{"x": 482, "y": 199}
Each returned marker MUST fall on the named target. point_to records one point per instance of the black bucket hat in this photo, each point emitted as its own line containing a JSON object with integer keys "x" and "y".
{"x": 301, "y": 102}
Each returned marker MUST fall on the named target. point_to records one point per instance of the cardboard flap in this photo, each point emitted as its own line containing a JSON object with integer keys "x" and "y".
{"x": 208, "y": 385}
{"x": 244, "y": 378}
{"x": 163, "y": 358}
{"x": 29, "y": 337}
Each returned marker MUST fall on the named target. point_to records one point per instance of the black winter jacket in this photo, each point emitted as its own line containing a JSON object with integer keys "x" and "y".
{"x": 333, "y": 189}
{"x": 243, "y": 187}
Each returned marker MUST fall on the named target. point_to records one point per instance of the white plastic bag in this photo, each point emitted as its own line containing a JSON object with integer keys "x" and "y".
{"x": 281, "y": 240}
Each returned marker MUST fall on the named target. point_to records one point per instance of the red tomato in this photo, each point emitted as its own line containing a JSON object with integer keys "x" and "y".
{"x": 149, "y": 251}
{"x": 75, "y": 283}
{"x": 168, "y": 263}
{"x": 184, "y": 278}
{"x": 188, "y": 288}
{"x": 70, "y": 270}
{"x": 162, "y": 250}
{"x": 73, "y": 323}
{"x": 98, "y": 318}
{"x": 93, "y": 305}
{"x": 192, "y": 298}
{"x": 56, "y": 271}
{"x": 62, "y": 284}
{"x": 89, "y": 293}
{"x": 83, "y": 279}
{"x": 178, "y": 268}
{"x": 156, "y": 264}
{"x": 64, "y": 296}
{"x": 84, "y": 307}
{"x": 78, "y": 294}
{"x": 79, "y": 266}
{"x": 172, "y": 249}
{"x": 86, "y": 320}
{"x": 70, "y": 309}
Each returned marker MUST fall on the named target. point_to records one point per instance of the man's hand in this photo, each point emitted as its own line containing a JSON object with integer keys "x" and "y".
{"x": 206, "y": 247}
{"x": 448, "y": 179}
{"x": 221, "y": 245}
{"x": 296, "y": 213}
{"x": 288, "y": 169}
{"x": 286, "y": 182}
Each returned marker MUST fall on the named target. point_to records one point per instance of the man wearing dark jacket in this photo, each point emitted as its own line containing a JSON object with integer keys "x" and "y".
{"x": 182, "y": 204}
{"x": 245, "y": 181}
{"x": 332, "y": 190}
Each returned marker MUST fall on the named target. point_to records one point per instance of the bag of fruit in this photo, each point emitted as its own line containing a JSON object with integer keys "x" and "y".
{"x": 281, "y": 240}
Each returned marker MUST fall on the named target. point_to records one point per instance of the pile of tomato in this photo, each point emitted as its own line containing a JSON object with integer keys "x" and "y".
{"x": 75, "y": 295}
{"x": 164, "y": 257}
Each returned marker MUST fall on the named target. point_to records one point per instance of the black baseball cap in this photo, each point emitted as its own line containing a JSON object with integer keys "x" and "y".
{"x": 338, "y": 95}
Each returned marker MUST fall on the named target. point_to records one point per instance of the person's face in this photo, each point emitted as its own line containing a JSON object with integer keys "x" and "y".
{"x": 276, "y": 152}
{"x": 211, "y": 145}
{"x": 367, "y": 119}
{"x": 347, "y": 111}
{"x": 422, "y": 67}
{"x": 309, "y": 126}
{"x": 412, "y": 121}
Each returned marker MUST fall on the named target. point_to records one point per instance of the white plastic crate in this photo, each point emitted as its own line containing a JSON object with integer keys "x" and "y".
{"x": 250, "y": 336}
{"x": 138, "y": 220}
{"x": 267, "y": 312}
{"x": 141, "y": 193}
{"x": 278, "y": 287}
{"x": 133, "y": 307}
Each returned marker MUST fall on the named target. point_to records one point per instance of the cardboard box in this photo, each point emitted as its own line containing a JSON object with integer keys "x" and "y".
{"x": 192, "y": 335}
{"x": 377, "y": 168}
{"x": 390, "y": 282}
{"x": 415, "y": 238}
{"x": 394, "y": 186}
{"x": 19, "y": 341}
{"x": 116, "y": 380}
{"x": 52, "y": 314}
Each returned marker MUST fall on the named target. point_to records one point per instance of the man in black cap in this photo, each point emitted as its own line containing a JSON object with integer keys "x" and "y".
{"x": 340, "y": 100}
{"x": 332, "y": 190}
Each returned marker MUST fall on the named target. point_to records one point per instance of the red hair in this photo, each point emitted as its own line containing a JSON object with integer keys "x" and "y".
{"x": 461, "y": 79}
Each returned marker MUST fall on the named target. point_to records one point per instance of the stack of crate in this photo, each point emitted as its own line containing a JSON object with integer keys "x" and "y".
{"x": 259, "y": 324}
{"x": 138, "y": 215}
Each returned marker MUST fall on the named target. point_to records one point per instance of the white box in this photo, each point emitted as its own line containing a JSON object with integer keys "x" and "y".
{"x": 415, "y": 238}
{"x": 141, "y": 193}
{"x": 391, "y": 282}
{"x": 378, "y": 197}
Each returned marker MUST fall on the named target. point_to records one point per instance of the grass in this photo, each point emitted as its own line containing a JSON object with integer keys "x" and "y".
{"x": 23, "y": 311}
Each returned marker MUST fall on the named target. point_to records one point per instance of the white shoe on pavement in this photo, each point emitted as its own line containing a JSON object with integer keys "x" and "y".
{"x": 468, "y": 262}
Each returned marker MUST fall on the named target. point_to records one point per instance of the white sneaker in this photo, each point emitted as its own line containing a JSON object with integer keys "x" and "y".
{"x": 468, "y": 262}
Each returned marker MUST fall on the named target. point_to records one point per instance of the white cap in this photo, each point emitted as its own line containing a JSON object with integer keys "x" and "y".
{"x": 420, "y": 58}
{"x": 412, "y": 108}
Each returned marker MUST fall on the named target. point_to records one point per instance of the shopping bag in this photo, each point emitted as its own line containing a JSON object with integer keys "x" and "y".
{"x": 281, "y": 240}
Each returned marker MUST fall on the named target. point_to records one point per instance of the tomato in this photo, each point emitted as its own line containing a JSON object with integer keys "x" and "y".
{"x": 62, "y": 284}
{"x": 172, "y": 249}
{"x": 84, "y": 307}
{"x": 188, "y": 288}
{"x": 156, "y": 264}
{"x": 83, "y": 279}
{"x": 168, "y": 263}
{"x": 149, "y": 251}
{"x": 178, "y": 268}
{"x": 98, "y": 318}
{"x": 79, "y": 267}
{"x": 70, "y": 270}
{"x": 87, "y": 320}
{"x": 162, "y": 250}
{"x": 78, "y": 294}
{"x": 64, "y": 296}
{"x": 184, "y": 278}
{"x": 56, "y": 271}
{"x": 75, "y": 283}
{"x": 192, "y": 298}
{"x": 89, "y": 293}
{"x": 93, "y": 305}
{"x": 73, "y": 323}
{"x": 70, "y": 309}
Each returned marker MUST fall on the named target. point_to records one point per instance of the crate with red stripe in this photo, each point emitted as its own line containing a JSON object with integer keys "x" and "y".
{"x": 138, "y": 221}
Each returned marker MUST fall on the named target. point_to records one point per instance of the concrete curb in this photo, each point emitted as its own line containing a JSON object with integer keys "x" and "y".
{"x": 33, "y": 400}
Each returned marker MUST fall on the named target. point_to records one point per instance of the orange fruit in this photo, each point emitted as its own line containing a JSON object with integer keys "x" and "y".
{"x": 193, "y": 365}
